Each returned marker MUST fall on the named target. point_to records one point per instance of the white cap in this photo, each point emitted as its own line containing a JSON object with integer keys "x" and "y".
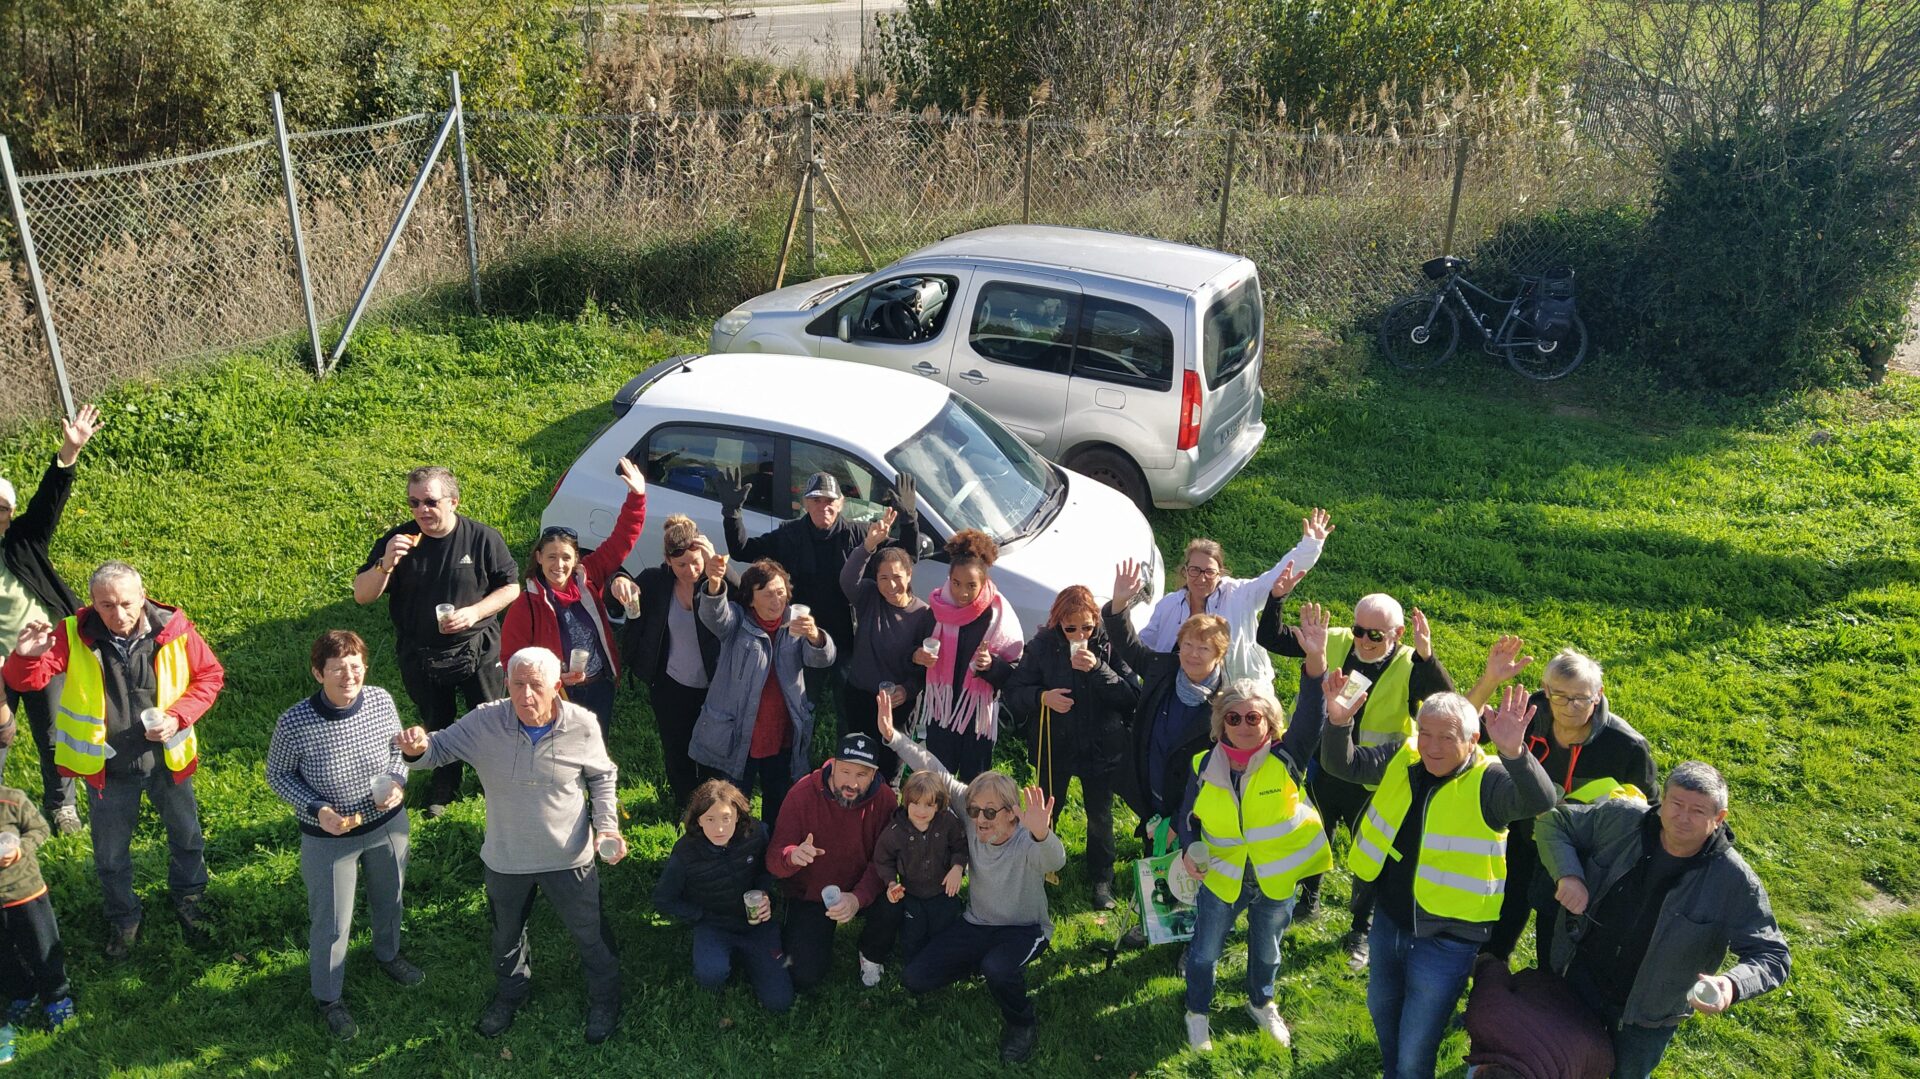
{"x": 7, "y": 495}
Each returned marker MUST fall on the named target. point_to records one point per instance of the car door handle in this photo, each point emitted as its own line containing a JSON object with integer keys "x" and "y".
{"x": 974, "y": 377}
{"x": 925, "y": 368}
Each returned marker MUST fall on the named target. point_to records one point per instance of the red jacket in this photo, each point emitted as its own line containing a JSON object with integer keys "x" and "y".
{"x": 1531, "y": 1024}
{"x": 844, "y": 834}
{"x": 531, "y": 620}
{"x": 205, "y": 676}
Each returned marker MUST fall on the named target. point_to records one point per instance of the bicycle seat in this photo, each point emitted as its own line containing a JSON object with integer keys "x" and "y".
{"x": 1444, "y": 266}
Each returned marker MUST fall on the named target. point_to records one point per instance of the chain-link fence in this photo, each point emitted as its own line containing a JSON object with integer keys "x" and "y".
{"x": 685, "y": 213}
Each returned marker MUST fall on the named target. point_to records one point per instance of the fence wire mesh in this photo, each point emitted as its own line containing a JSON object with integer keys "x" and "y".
{"x": 684, "y": 214}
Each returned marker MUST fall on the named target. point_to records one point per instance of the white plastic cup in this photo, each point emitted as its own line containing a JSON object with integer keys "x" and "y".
{"x": 887, "y": 688}
{"x": 633, "y": 607}
{"x": 382, "y": 787}
{"x": 1200, "y": 856}
{"x": 932, "y": 645}
{"x": 1706, "y": 993}
{"x": 609, "y": 847}
{"x": 1074, "y": 648}
{"x": 153, "y": 719}
{"x": 9, "y": 844}
{"x": 578, "y": 659}
{"x": 443, "y": 612}
{"x": 798, "y": 610}
{"x": 755, "y": 900}
{"x": 1357, "y": 684}
{"x": 830, "y": 895}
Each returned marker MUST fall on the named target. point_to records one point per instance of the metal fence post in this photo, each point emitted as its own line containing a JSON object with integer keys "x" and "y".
{"x": 33, "y": 274}
{"x": 1459, "y": 177}
{"x": 393, "y": 238}
{"x": 1226, "y": 190}
{"x": 299, "y": 236}
{"x": 806, "y": 207}
{"x": 1026, "y": 173}
{"x": 466, "y": 191}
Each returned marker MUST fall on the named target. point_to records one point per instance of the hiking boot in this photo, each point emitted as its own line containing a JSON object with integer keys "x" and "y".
{"x": 66, "y": 821}
{"x": 1355, "y": 943}
{"x": 1017, "y": 1043}
{"x": 195, "y": 924}
{"x": 602, "y": 1019}
{"x": 339, "y": 1021}
{"x": 496, "y": 1018}
{"x": 120, "y": 940}
{"x": 870, "y": 972}
{"x": 402, "y": 971}
{"x": 59, "y": 1014}
{"x": 1199, "y": 1033}
{"x": 1103, "y": 897}
{"x": 1308, "y": 908}
{"x": 1267, "y": 1018}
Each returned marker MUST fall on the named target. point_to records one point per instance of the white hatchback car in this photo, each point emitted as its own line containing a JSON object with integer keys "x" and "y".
{"x": 1131, "y": 360}
{"x": 778, "y": 419}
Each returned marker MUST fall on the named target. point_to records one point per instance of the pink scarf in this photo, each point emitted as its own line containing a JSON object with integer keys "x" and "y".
{"x": 1239, "y": 758}
{"x": 977, "y": 702}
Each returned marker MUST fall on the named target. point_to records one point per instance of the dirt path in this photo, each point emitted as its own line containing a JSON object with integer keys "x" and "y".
{"x": 1906, "y": 357}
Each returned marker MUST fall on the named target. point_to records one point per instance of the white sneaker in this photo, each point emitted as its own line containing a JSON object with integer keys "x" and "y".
{"x": 1267, "y": 1018}
{"x": 870, "y": 972}
{"x": 1199, "y": 1034}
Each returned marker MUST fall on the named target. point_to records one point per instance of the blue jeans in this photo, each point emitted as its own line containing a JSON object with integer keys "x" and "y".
{"x": 1267, "y": 921}
{"x": 1413, "y": 984}
{"x": 114, "y": 810}
{"x": 1637, "y": 1050}
{"x": 758, "y": 947}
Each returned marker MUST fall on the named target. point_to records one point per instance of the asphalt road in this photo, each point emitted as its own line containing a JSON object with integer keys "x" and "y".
{"x": 821, "y": 37}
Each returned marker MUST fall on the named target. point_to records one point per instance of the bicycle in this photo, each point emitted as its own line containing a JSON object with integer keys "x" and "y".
{"x": 1539, "y": 332}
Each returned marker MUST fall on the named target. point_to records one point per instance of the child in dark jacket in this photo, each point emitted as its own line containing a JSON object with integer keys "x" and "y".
{"x": 716, "y": 880}
{"x": 32, "y": 962}
{"x": 920, "y": 858}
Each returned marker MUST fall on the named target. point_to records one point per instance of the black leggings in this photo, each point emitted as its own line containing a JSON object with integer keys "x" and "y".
{"x": 675, "y": 710}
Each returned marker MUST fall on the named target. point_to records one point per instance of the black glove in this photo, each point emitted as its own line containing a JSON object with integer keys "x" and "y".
{"x": 729, "y": 491}
{"x": 906, "y": 498}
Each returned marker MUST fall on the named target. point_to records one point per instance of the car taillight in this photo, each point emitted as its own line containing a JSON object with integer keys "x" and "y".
{"x": 1189, "y": 412}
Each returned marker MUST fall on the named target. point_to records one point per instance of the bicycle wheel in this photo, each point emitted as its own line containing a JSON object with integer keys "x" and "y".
{"x": 1545, "y": 365}
{"x": 1415, "y": 336}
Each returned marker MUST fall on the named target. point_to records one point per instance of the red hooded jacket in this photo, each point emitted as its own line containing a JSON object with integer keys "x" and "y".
{"x": 531, "y": 619}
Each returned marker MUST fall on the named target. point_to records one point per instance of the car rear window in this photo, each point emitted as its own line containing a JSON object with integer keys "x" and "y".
{"x": 1230, "y": 334}
{"x": 1123, "y": 343}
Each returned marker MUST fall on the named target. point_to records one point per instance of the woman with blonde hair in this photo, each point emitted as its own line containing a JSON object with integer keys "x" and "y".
{"x": 1208, "y": 590}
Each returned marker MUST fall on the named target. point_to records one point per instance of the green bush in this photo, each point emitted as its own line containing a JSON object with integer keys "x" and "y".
{"x": 956, "y": 54}
{"x": 1603, "y": 246}
{"x": 1331, "y": 57}
{"x": 701, "y": 274}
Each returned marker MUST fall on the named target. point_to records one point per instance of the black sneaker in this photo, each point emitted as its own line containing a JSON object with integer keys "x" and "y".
{"x": 403, "y": 972}
{"x": 1355, "y": 942}
{"x": 120, "y": 940}
{"x": 1018, "y": 1042}
{"x": 339, "y": 1021}
{"x": 1308, "y": 908}
{"x": 601, "y": 1021}
{"x": 195, "y": 924}
{"x": 1103, "y": 897}
{"x": 496, "y": 1018}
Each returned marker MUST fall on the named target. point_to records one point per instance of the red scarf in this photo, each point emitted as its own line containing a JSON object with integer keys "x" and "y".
{"x": 561, "y": 597}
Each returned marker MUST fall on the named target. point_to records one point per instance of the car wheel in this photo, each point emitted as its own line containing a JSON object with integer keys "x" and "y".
{"x": 1114, "y": 469}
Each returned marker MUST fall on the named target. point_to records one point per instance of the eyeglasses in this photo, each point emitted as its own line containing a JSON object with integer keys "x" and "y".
{"x": 559, "y": 532}
{"x": 1078, "y": 629}
{"x": 1251, "y": 719}
{"x": 1375, "y": 635}
{"x": 1201, "y": 572}
{"x": 1562, "y": 698}
{"x": 976, "y": 812}
{"x": 424, "y": 503}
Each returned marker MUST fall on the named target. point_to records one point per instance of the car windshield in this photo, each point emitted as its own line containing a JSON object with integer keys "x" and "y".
{"x": 976, "y": 474}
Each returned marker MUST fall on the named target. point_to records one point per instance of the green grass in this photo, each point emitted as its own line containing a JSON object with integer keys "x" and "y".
{"x": 1752, "y": 595}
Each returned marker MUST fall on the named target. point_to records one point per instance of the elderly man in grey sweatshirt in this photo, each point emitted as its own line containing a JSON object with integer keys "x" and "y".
{"x": 1010, "y": 851}
{"x": 534, "y": 753}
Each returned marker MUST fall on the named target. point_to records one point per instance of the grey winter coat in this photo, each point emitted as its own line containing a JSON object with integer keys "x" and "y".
{"x": 724, "y": 732}
{"x": 1720, "y": 906}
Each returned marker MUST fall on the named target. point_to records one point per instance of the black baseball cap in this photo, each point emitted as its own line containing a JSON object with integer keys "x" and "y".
{"x": 859, "y": 749}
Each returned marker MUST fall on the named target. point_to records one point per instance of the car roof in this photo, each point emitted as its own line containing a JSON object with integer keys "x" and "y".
{"x": 861, "y": 406}
{"x": 1113, "y": 254}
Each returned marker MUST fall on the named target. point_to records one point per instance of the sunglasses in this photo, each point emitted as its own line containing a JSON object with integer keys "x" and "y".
{"x": 976, "y": 812}
{"x": 424, "y": 503}
{"x": 559, "y": 532}
{"x": 1078, "y": 629}
{"x": 1375, "y": 635}
{"x": 1251, "y": 719}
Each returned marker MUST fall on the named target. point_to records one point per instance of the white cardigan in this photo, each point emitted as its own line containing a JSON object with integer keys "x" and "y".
{"x": 1239, "y": 601}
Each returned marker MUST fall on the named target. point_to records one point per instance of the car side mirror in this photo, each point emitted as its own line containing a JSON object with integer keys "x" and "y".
{"x": 845, "y": 330}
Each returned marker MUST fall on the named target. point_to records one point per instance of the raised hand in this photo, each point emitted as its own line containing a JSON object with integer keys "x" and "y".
{"x": 1129, "y": 577}
{"x": 413, "y": 741}
{"x": 77, "y": 432}
{"x": 1504, "y": 659}
{"x": 883, "y": 716}
{"x": 1316, "y": 525}
{"x": 878, "y": 530}
{"x": 1340, "y": 714}
{"x": 1571, "y": 893}
{"x": 803, "y": 854}
{"x": 635, "y": 479}
{"x": 1283, "y": 584}
{"x": 1422, "y": 634}
{"x": 1037, "y": 813}
{"x": 35, "y": 639}
{"x": 731, "y": 493}
{"x": 805, "y": 628}
{"x": 1508, "y": 726}
{"x": 951, "y": 882}
{"x": 1058, "y": 700}
{"x": 716, "y": 570}
{"x": 906, "y": 496}
{"x": 1312, "y": 637}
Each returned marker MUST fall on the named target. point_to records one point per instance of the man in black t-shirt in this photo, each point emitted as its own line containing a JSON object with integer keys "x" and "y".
{"x": 441, "y": 559}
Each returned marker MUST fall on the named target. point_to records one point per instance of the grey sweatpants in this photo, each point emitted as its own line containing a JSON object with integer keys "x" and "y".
{"x": 331, "y": 867}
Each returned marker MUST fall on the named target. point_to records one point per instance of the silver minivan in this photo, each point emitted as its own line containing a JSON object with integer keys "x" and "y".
{"x": 1130, "y": 360}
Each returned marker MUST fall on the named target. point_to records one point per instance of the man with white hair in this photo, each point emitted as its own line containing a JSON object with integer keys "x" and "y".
{"x": 1654, "y": 899}
{"x": 534, "y": 754}
{"x": 1400, "y": 677}
{"x": 138, "y": 680}
{"x": 1433, "y": 842}
{"x": 31, "y": 590}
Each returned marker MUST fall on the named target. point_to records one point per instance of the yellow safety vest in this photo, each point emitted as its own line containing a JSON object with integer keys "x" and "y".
{"x": 1599, "y": 790}
{"x": 79, "y": 721}
{"x": 1386, "y": 717}
{"x": 1461, "y": 872}
{"x": 1289, "y": 847}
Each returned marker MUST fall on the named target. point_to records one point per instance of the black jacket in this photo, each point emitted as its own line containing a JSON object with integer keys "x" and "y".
{"x": 24, "y": 543}
{"x": 813, "y": 559}
{"x": 1089, "y": 737}
{"x": 1157, "y": 671}
{"x": 643, "y": 640}
{"x": 705, "y": 883}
